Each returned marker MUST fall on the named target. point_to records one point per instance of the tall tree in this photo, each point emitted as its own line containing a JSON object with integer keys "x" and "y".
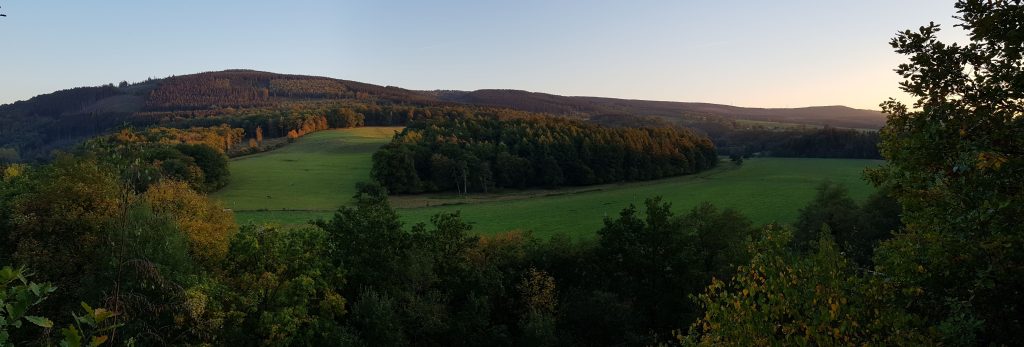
{"x": 955, "y": 162}
{"x": 60, "y": 220}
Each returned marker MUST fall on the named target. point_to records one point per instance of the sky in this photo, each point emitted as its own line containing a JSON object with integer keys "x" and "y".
{"x": 750, "y": 53}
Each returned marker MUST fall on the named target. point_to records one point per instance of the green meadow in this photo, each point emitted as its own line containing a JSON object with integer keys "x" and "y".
{"x": 312, "y": 177}
{"x": 317, "y": 172}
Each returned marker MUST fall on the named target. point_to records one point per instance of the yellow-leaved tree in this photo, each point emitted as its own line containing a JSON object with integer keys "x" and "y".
{"x": 205, "y": 222}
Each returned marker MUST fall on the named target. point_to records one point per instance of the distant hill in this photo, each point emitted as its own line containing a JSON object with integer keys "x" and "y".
{"x": 837, "y": 116}
{"x": 65, "y": 117}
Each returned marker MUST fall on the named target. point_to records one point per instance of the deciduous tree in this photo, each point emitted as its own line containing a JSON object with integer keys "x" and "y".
{"x": 208, "y": 226}
{"x": 956, "y": 162}
{"x": 785, "y": 298}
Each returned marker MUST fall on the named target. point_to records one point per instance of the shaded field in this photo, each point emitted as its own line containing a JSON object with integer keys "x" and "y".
{"x": 314, "y": 176}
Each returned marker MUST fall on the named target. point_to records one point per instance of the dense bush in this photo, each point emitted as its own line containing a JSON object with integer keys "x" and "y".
{"x": 195, "y": 156}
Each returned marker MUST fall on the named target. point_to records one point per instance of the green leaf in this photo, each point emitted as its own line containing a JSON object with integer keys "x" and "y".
{"x": 71, "y": 337}
{"x": 102, "y": 314}
{"x": 40, "y": 321}
{"x": 16, "y": 309}
{"x": 7, "y": 274}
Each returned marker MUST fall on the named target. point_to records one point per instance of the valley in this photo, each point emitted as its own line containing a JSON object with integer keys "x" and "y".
{"x": 312, "y": 177}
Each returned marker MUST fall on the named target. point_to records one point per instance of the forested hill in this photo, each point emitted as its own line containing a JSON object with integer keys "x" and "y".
{"x": 30, "y": 129}
{"x": 836, "y": 116}
{"x": 33, "y": 127}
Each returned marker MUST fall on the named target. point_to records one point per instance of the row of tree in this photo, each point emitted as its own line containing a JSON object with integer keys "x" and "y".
{"x": 272, "y": 122}
{"x": 733, "y": 138}
{"x": 807, "y": 143}
{"x": 480, "y": 153}
{"x": 221, "y": 137}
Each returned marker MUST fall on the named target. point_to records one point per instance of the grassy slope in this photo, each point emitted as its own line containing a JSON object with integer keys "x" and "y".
{"x": 317, "y": 173}
{"x": 766, "y": 190}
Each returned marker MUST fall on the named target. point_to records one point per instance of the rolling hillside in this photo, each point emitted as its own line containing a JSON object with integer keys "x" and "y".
{"x": 837, "y": 116}
{"x": 63, "y": 118}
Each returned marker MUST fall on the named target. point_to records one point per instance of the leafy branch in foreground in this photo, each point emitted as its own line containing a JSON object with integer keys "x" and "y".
{"x": 17, "y": 296}
{"x": 90, "y": 328}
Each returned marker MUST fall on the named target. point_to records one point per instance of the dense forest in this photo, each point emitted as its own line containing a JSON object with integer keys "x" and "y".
{"x": 483, "y": 153}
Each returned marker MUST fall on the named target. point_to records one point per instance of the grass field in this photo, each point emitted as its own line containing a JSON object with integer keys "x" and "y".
{"x": 316, "y": 174}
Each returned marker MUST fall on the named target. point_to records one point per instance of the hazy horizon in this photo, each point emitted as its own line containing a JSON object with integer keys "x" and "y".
{"x": 796, "y": 54}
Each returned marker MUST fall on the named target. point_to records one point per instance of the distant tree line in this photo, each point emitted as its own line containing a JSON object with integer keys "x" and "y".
{"x": 734, "y": 138}
{"x": 476, "y": 153}
{"x": 220, "y": 138}
{"x": 813, "y": 143}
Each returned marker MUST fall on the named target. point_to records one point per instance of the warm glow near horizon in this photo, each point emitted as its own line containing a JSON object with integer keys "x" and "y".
{"x": 744, "y": 53}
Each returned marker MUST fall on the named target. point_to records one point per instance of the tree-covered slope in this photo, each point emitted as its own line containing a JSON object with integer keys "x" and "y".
{"x": 30, "y": 129}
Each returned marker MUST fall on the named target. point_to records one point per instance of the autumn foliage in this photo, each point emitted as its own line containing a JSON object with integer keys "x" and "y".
{"x": 208, "y": 226}
{"x": 481, "y": 152}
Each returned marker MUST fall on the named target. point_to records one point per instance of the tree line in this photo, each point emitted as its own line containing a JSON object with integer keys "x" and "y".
{"x": 735, "y": 138}
{"x": 478, "y": 153}
{"x": 826, "y": 142}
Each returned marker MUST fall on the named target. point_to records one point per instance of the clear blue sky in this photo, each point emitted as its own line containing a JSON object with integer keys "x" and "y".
{"x": 746, "y": 53}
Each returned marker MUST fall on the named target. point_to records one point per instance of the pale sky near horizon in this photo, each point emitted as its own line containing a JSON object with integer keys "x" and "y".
{"x": 745, "y": 53}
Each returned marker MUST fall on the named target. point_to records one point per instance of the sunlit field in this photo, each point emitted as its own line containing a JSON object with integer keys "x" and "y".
{"x": 317, "y": 174}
